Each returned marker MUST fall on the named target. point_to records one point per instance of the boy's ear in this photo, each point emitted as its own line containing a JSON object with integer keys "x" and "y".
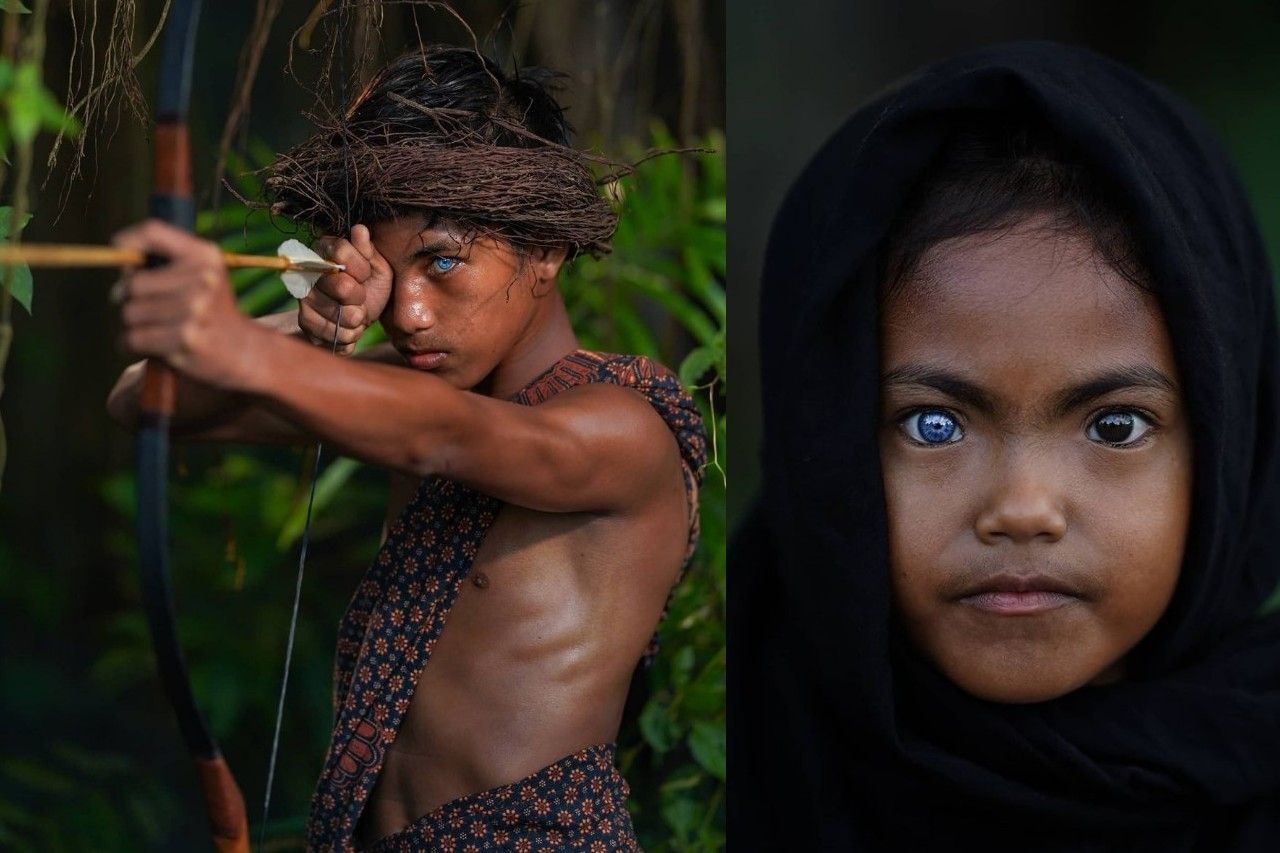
{"x": 547, "y": 261}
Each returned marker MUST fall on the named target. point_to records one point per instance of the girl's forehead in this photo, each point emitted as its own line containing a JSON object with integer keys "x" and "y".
{"x": 1029, "y": 297}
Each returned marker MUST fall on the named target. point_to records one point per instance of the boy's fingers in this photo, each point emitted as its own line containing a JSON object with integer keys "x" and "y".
{"x": 340, "y": 288}
{"x": 323, "y": 337}
{"x": 160, "y": 238}
{"x": 320, "y": 325}
{"x": 330, "y": 309}
{"x": 147, "y": 312}
{"x": 340, "y": 251}
{"x": 362, "y": 240}
{"x": 158, "y": 282}
{"x": 155, "y": 340}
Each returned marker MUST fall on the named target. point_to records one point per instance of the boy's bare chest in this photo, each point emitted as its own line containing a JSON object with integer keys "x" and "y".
{"x": 536, "y": 654}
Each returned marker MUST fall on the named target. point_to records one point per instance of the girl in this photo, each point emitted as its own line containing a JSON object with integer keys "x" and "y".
{"x": 1007, "y": 585}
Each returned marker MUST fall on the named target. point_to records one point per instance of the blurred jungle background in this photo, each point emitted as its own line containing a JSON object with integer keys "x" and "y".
{"x": 90, "y": 756}
{"x": 798, "y": 70}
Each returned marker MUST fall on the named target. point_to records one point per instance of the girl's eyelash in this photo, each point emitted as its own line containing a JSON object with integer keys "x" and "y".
{"x": 1137, "y": 410}
{"x": 902, "y": 420}
{"x": 1153, "y": 425}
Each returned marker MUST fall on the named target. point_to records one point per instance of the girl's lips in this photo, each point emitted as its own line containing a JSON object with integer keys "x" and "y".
{"x": 1018, "y": 603}
{"x": 426, "y": 360}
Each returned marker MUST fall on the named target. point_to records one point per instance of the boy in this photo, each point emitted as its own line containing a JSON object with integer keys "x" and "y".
{"x": 1021, "y": 477}
{"x": 562, "y": 484}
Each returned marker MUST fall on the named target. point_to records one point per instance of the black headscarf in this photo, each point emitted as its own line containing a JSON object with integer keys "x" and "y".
{"x": 841, "y": 737}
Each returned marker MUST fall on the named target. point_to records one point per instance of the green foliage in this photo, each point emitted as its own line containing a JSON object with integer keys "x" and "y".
{"x": 29, "y": 106}
{"x": 68, "y": 797}
{"x": 26, "y": 108}
{"x": 21, "y": 281}
{"x": 661, "y": 293}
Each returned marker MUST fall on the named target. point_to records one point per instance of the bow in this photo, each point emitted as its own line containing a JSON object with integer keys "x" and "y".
{"x": 172, "y": 201}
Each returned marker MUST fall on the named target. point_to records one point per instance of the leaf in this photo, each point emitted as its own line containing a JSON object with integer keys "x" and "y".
{"x": 53, "y": 117}
{"x": 707, "y": 743}
{"x": 695, "y": 365}
{"x": 681, "y": 807}
{"x": 36, "y": 775}
{"x": 24, "y": 103}
{"x": 6, "y": 219}
{"x": 682, "y": 816}
{"x": 21, "y": 283}
{"x": 331, "y": 481}
{"x": 656, "y": 725}
{"x": 21, "y": 286}
{"x": 682, "y": 666}
{"x": 5, "y": 6}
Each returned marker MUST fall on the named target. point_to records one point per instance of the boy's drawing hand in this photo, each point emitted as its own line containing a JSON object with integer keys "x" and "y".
{"x": 361, "y": 291}
{"x": 184, "y": 311}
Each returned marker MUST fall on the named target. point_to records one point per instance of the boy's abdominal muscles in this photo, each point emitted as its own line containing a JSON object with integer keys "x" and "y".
{"x": 530, "y": 667}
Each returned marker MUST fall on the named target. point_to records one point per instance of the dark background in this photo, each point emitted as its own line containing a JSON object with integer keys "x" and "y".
{"x": 798, "y": 69}
{"x": 88, "y": 746}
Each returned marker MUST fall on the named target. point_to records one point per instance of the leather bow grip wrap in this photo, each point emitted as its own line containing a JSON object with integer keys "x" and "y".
{"x": 171, "y": 201}
{"x": 224, "y": 804}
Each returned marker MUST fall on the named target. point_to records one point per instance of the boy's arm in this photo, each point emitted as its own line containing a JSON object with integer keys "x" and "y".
{"x": 593, "y": 448}
{"x": 203, "y": 409}
{"x": 208, "y": 413}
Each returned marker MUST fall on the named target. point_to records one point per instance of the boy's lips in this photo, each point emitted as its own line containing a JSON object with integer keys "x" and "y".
{"x": 1011, "y": 594}
{"x": 425, "y": 359}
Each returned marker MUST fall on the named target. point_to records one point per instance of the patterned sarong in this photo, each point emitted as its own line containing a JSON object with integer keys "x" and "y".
{"x": 578, "y": 803}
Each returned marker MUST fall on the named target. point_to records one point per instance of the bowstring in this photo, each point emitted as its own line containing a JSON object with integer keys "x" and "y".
{"x": 293, "y": 619}
{"x": 311, "y": 498}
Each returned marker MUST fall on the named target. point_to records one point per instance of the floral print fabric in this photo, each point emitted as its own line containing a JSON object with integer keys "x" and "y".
{"x": 399, "y": 609}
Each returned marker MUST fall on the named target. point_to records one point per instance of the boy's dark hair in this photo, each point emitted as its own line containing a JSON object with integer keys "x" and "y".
{"x": 445, "y": 132}
{"x": 470, "y": 85}
{"x": 992, "y": 176}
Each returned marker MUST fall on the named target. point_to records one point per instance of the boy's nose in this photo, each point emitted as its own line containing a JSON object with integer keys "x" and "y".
{"x": 411, "y": 312}
{"x": 1023, "y": 505}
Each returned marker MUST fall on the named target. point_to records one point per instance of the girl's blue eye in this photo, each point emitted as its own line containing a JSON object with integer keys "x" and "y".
{"x": 932, "y": 427}
{"x": 440, "y": 264}
{"x": 1118, "y": 429}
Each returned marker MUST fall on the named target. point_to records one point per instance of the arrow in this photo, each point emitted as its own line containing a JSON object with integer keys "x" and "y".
{"x": 292, "y": 256}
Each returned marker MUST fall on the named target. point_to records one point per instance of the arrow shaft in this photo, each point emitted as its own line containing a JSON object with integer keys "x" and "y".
{"x": 71, "y": 255}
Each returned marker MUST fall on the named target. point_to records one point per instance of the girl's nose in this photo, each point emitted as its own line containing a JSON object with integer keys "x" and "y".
{"x": 1025, "y": 503}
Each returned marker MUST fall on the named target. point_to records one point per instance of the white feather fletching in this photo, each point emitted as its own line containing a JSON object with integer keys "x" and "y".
{"x": 297, "y": 282}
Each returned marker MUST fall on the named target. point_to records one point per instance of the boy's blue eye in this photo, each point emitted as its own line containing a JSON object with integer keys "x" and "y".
{"x": 932, "y": 426}
{"x": 1118, "y": 429}
{"x": 440, "y": 264}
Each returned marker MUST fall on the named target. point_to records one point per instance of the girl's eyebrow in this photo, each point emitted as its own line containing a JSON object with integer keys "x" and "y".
{"x": 1117, "y": 379}
{"x": 952, "y": 384}
{"x": 1068, "y": 399}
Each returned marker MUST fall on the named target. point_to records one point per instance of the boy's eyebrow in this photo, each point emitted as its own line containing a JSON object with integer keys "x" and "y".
{"x": 966, "y": 391}
{"x": 435, "y": 247}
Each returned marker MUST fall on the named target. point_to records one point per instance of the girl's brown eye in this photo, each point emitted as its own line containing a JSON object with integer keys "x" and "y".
{"x": 1118, "y": 429}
